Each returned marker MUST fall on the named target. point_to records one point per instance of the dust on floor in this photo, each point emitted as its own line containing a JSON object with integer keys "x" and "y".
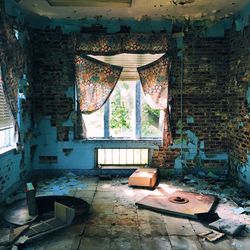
{"x": 115, "y": 223}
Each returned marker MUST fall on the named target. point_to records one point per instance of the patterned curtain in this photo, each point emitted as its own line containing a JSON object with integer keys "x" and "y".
{"x": 95, "y": 82}
{"x": 111, "y": 44}
{"x": 155, "y": 81}
{"x": 12, "y": 64}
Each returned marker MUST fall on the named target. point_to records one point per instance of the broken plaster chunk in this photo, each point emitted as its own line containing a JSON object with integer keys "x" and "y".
{"x": 229, "y": 227}
{"x": 211, "y": 235}
{"x": 239, "y": 210}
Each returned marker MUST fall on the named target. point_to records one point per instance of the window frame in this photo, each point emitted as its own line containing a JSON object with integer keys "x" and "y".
{"x": 8, "y": 142}
{"x": 138, "y": 119}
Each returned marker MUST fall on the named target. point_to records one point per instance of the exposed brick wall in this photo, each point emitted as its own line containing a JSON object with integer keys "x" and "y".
{"x": 52, "y": 75}
{"x": 205, "y": 77}
{"x": 204, "y": 88}
{"x": 239, "y": 120}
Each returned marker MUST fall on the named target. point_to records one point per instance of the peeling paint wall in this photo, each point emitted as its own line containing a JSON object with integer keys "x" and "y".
{"x": 204, "y": 105}
{"x": 200, "y": 139}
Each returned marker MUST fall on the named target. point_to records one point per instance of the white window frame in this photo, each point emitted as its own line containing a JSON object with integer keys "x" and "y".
{"x": 138, "y": 116}
{"x": 7, "y": 133}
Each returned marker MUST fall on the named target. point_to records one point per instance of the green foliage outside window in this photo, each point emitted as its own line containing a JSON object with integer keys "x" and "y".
{"x": 119, "y": 115}
{"x": 150, "y": 120}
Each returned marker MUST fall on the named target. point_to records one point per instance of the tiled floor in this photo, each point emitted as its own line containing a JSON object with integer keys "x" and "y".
{"x": 116, "y": 223}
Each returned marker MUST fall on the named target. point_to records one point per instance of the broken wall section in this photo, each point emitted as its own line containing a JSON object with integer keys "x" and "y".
{"x": 205, "y": 68}
{"x": 204, "y": 63}
{"x": 239, "y": 103}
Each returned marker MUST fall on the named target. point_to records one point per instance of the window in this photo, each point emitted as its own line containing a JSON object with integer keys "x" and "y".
{"x": 125, "y": 115}
{"x": 6, "y": 121}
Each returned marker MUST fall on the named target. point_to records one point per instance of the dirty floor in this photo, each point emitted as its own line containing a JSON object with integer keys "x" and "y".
{"x": 114, "y": 222}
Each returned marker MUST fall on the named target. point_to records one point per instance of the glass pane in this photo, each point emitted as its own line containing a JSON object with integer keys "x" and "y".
{"x": 94, "y": 123}
{"x": 151, "y": 120}
{"x": 122, "y": 110}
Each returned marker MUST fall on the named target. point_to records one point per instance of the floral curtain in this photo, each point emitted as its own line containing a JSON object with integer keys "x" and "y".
{"x": 95, "y": 82}
{"x": 110, "y": 44}
{"x": 155, "y": 81}
{"x": 12, "y": 63}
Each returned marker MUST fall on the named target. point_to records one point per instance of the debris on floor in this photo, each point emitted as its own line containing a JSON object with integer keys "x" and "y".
{"x": 63, "y": 217}
{"x": 229, "y": 227}
{"x": 239, "y": 210}
{"x": 179, "y": 203}
{"x": 4, "y": 235}
{"x": 61, "y": 185}
{"x": 114, "y": 219}
{"x": 31, "y": 199}
{"x": 144, "y": 177}
{"x": 17, "y": 213}
{"x": 105, "y": 177}
{"x": 211, "y": 235}
{"x": 208, "y": 217}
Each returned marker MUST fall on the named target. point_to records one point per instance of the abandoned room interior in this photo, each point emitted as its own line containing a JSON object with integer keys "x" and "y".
{"x": 125, "y": 124}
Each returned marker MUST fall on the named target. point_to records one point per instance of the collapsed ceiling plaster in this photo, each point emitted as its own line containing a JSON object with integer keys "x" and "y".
{"x": 127, "y": 9}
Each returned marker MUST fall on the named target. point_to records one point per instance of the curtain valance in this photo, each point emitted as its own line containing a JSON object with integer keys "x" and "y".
{"x": 110, "y": 44}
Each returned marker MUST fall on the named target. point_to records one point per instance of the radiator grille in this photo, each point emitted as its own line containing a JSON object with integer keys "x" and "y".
{"x": 122, "y": 156}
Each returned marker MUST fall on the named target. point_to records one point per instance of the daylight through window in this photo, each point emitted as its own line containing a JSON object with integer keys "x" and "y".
{"x": 6, "y": 121}
{"x": 125, "y": 115}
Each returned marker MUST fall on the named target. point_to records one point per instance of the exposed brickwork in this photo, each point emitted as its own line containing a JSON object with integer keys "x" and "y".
{"x": 52, "y": 75}
{"x": 205, "y": 77}
{"x": 204, "y": 87}
{"x": 239, "y": 120}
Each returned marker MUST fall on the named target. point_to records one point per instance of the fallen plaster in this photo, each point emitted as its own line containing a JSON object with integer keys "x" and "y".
{"x": 113, "y": 215}
{"x": 244, "y": 173}
{"x": 229, "y": 227}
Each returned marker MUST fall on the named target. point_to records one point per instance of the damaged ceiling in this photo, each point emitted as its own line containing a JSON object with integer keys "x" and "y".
{"x": 126, "y": 9}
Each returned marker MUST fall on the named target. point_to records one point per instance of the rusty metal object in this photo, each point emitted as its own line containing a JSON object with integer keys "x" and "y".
{"x": 197, "y": 203}
{"x": 178, "y": 199}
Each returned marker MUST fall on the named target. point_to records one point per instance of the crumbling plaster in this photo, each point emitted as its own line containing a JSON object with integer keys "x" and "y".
{"x": 82, "y": 156}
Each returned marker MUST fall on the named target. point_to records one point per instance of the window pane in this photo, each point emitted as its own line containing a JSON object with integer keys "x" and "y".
{"x": 94, "y": 123}
{"x": 122, "y": 110}
{"x": 7, "y": 137}
{"x": 151, "y": 120}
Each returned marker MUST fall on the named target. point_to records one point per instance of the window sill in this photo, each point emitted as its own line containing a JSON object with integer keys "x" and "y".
{"x": 153, "y": 140}
{"x": 7, "y": 150}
